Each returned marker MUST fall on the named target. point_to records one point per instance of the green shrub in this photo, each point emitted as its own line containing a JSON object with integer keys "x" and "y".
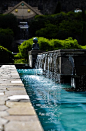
{"x": 21, "y": 61}
{"x": 60, "y": 26}
{"x": 46, "y": 45}
{"x": 72, "y": 26}
{"x": 9, "y": 21}
{"x": 65, "y": 44}
{"x": 6, "y": 38}
{"x": 50, "y": 31}
{"x": 5, "y": 55}
{"x": 24, "y": 48}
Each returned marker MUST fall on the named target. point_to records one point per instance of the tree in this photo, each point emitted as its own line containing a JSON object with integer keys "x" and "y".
{"x": 9, "y": 21}
{"x": 6, "y": 38}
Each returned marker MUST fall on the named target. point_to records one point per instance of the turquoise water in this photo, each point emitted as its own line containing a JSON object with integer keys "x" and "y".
{"x": 57, "y": 109}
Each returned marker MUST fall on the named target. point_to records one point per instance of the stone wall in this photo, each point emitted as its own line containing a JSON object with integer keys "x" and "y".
{"x": 46, "y": 6}
{"x": 61, "y": 65}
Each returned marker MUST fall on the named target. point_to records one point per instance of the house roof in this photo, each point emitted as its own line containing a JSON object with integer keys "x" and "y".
{"x": 23, "y": 11}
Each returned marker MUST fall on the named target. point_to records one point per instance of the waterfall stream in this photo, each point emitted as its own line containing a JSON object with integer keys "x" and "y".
{"x": 57, "y": 109}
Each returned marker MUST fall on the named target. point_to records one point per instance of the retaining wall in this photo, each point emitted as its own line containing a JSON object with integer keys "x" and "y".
{"x": 61, "y": 65}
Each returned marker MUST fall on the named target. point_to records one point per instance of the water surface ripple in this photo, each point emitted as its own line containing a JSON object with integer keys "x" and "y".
{"x": 57, "y": 109}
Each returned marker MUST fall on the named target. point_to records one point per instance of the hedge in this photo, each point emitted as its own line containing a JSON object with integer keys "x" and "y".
{"x": 47, "y": 45}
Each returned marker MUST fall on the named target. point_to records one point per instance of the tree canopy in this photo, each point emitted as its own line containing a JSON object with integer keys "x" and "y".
{"x": 60, "y": 26}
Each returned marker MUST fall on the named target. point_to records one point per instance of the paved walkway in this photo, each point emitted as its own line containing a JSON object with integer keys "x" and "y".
{"x": 16, "y": 111}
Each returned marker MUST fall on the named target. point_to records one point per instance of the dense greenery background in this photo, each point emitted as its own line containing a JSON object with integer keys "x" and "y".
{"x": 8, "y": 30}
{"x": 60, "y": 26}
{"x": 56, "y": 31}
{"x": 6, "y": 56}
{"x": 46, "y": 45}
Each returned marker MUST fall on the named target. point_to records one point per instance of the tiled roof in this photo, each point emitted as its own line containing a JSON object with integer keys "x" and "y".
{"x": 19, "y": 9}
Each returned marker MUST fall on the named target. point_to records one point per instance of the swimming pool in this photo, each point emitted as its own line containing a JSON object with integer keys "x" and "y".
{"x": 57, "y": 109}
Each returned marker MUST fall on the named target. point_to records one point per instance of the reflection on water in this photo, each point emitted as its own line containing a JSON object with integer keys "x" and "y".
{"x": 57, "y": 109}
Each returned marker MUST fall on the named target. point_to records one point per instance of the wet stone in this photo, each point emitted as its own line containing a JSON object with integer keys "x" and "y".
{"x": 15, "y": 79}
{"x": 21, "y": 118}
{"x": 3, "y": 107}
{"x": 16, "y": 110}
{"x": 2, "y": 87}
{"x": 1, "y": 127}
{"x": 3, "y": 113}
{"x": 3, "y": 121}
{"x": 6, "y": 76}
{"x": 19, "y": 97}
{"x": 22, "y": 92}
{"x": 15, "y": 76}
{"x": 15, "y": 82}
{"x": 2, "y": 92}
{"x": 18, "y": 104}
{"x": 23, "y": 126}
{"x": 3, "y": 98}
{"x": 2, "y": 102}
{"x": 12, "y": 84}
{"x": 21, "y": 111}
{"x": 4, "y": 82}
{"x": 20, "y": 85}
{"x": 15, "y": 88}
{"x": 4, "y": 79}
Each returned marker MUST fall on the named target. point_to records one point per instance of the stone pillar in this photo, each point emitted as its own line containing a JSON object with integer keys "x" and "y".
{"x": 32, "y": 56}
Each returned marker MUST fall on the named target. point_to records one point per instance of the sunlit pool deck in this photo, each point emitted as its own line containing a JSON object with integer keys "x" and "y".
{"x": 16, "y": 110}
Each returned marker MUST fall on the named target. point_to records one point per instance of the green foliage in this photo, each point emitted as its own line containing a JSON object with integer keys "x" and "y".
{"x": 6, "y": 37}
{"x": 50, "y": 31}
{"x": 34, "y": 24}
{"x": 9, "y": 21}
{"x": 24, "y": 48}
{"x": 2, "y": 49}
{"x": 83, "y": 47}
{"x": 7, "y": 56}
{"x": 72, "y": 26}
{"x": 41, "y": 21}
{"x": 60, "y": 26}
{"x": 65, "y": 44}
{"x": 21, "y": 61}
{"x": 8, "y": 30}
{"x": 46, "y": 45}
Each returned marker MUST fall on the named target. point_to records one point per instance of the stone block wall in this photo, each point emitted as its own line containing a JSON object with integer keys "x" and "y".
{"x": 60, "y": 65}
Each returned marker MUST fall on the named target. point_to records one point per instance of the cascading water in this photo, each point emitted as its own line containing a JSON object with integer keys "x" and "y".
{"x": 57, "y": 109}
{"x": 50, "y": 65}
{"x": 73, "y": 82}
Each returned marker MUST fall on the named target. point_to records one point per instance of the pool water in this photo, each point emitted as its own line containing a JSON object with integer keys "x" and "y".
{"x": 57, "y": 109}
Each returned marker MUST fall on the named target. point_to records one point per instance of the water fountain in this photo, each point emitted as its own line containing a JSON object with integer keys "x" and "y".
{"x": 64, "y": 66}
{"x": 57, "y": 109}
{"x": 58, "y": 106}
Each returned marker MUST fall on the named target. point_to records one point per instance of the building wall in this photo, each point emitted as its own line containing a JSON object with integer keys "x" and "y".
{"x": 46, "y": 6}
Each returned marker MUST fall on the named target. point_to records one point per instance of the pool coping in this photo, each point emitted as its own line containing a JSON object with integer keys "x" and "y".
{"x": 16, "y": 110}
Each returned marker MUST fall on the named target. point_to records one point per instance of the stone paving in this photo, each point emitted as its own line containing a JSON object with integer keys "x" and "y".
{"x": 16, "y": 110}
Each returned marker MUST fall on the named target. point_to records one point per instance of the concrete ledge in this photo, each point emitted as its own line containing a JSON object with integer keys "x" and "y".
{"x": 16, "y": 110}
